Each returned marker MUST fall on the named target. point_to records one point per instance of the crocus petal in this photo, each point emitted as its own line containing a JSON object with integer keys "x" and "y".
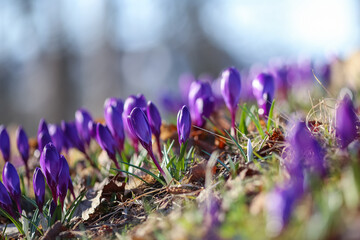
{"x": 12, "y": 183}
{"x": 231, "y": 87}
{"x": 22, "y": 144}
{"x": 154, "y": 118}
{"x": 4, "y": 143}
{"x": 140, "y": 127}
{"x": 82, "y": 119}
{"x": 39, "y": 188}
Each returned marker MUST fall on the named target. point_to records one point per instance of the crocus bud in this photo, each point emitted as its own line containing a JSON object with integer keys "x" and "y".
{"x": 71, "y": 134}
{"x": 63, "y": 184}
{"x": 183, "y": 124}
{"x": 5, "y": 201}
{"x": 82, "y": 119}
{"x": 51, "y": 165}
{"x": 230, "y": 88}
{"x": 12, "y": 183}
{"x": 57, "y": 136}
{"x": 130, "y": 103}
{"x": 346, "y": 121}
{"x": 4, "y": 143}
{"x": 154, "y": 118}
{"x": 139, "y": 125}
{"x": 113, "y": 119}
{"x": 22, "y": 144}
{"x": 43, "y": 136}
{"x": 201, "y": 102}
{"x": 263, "y": 90}
{"x": 106, "y": 142}
{"x": 39, "y": 188}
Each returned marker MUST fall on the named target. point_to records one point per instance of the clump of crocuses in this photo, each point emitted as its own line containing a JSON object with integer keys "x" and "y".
{"x": 263, "y": 90}
{"x": 139, "y": 126}
{"x": 56, "y": 172}
{"x": 346, "y": 122}
{"x": 230, "y": 90}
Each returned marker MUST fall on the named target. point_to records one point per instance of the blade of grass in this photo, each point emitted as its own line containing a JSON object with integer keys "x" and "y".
{"x": 134, "y": 175}
{"x": 242, "y": 124}
{"x": 15, "y": 222}
{"x": 144, "y": 170}
{"x": 237, "y": 144}
{"x": 75, "y": 203}
{"x": 32, "y": 223}
{"x": 218, "y": 160}
{"x": 255, "y": 120}
{"x": 270, "y": 117}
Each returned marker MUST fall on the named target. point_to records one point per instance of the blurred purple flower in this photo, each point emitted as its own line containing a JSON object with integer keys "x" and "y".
{"x": 201, "y": 102}
{"x": 346, "y": 121}
{"x": 22, "y": 143}
{"x": 82, "y": 119}
{"x": 107, "y": 142}
{"x": 170, "y": 101}
{"x": 185, "y": 81}
{"x": 113, "y": 119}
{"x": 183, "y": 124}
{"x": 51, "y": 165}
{"x": 72, "y": 135}
{"x": 130, "y": 103}
{"x": 63, "y": 184}
{"x": 263, "y": 90}
{"x": 280, "y": 204}
{"x": 307, "y": 153}
{"x": 57, "y": 136}
{"x": 11, "y": 181}
{"x": 4, "y": 143}
{"x": 43, "y": 136}
{"x": 5, "y": 201}
{"x": 230, "y": 90}
{"x": 39, "y": 188}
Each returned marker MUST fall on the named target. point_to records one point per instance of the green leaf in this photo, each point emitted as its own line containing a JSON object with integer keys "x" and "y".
{"x": 255, "y": 119}
{"x": 144, "y": 170}
{"x": 57, "y": 215}
{"x": 15, "y": 222}
{"x": 218, "y": 160}
{"x": 237, "y": 144}
{"x": 270, "y": 117}
{"x": 73, "y": 207}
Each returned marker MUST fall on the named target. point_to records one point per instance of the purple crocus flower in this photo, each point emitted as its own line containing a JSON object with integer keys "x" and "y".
{"x": 82, "y": 119}
{"x": 92, "y": 129}
{"x": 280, "y": 204}
{"x": 63, "y": 184}
{"x": 57, "y": 136}
{"x": 107, "y": 142}
{"x": 23, "y": 147}
{"x": 72, "y": 135}
{"x": 39, "y": 188}
{"x": 183, "y": 124}
{"x": 139, "y": 125}
{"x": 51, "y": 165}
{"x": 130, "y": 103}
{"x": 346, "y": 122}
{"x": 307, "y": 153}
{"x": 4, "y": 143}
{"x": 154, "y": 118}
{"x": 12, "y": 183}
{"x": 43, "y": 136}
{"x": 263, "y": 90}
{"x": 230, "y": 90}
{"x": 5, "y": 201}
{"x": 113, "y": 118}
{"x": 201, "y": 102}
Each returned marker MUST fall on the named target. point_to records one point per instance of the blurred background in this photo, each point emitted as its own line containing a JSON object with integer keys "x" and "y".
{"x": 57, "y": 56}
